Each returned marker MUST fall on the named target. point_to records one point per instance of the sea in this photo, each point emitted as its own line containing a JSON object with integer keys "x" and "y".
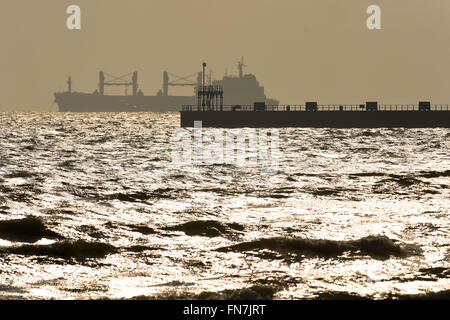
{"x": 92, "y": 206}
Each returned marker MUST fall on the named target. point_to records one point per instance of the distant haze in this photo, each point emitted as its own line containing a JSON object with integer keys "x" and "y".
{"x": 299, "y": 50}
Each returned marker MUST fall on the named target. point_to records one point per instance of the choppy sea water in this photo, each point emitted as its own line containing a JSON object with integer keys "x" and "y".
{"x": 91, "y": 206}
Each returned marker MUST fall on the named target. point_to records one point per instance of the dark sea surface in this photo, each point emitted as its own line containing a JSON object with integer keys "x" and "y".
{"x": 91, "y": 206}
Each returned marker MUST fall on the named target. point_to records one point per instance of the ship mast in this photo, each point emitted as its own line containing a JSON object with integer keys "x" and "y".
{"x": 69, "y": 84}
{"x": 241, "y": 66}
{"x": 203, "y": 85}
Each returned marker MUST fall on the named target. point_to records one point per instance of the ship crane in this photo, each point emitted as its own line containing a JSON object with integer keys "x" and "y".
{"x": 118, "y": 81}
{"x": 178, "y": 81}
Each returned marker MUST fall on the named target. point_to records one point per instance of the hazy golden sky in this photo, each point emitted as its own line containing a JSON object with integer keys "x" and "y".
{"x": 299, "y": 49}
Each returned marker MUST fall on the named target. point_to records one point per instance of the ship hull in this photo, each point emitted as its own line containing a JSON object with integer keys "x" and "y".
{"x": 81, "y": 102}
{"x": 319, "y": 119}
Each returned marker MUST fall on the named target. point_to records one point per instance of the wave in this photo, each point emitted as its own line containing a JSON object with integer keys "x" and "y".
{"x": 67, "y": 164}
{"x": 434, "y": 174}
{"x": 275, "y": 193}
{"x": 410, "y": 179}
{"x": 403, "y": 180}
{"x": 261, "y": 292}
{"x": 438, "y": 272}
{"x": 398, "y": 184}
{"x": 439, "y": 295}
{"x": 367, "y": 174}
{"x": 92, "y": 231}
{"x": 374, "y": 246}
{"x": 406, "y": 185}
{"x": 161, "y": 193}
{"x": 338, "y": 295}
{"x": 341, "y": 295}
{"x": 369, "y": 133}
{"x": 256, "y": 292}
{"x": 29, "y": 229}
{"x": 5, "y": 189}
{"x": 142, "y": 229}
{"x": 129, "y": 197}
{"x": 207, "y": 228}
{"x": 141, "y": 248}
{"x": 79, "y": 249}
{"x": 100, "y": 139}
{"x": 57, "y": 211}
{"x": 330, "y": 191}
{"x": 20, "y": 174}
{"x": 365, "y": 150}
{"x": 320, "y": 175}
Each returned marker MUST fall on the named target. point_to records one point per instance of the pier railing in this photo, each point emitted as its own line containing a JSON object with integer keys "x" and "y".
{"x": 337, "y": 108}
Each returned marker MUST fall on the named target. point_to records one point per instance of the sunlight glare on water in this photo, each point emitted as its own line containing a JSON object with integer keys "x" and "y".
{"x": 354, "y": 211}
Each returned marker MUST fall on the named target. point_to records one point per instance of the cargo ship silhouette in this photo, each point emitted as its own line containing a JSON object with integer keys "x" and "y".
{"x": 210, "y": 111}
{"x": 240, "y": 89}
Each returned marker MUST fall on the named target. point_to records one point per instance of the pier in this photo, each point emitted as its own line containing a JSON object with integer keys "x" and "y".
{"x": 311, "y": 114}
{"x": 333, "y": 107}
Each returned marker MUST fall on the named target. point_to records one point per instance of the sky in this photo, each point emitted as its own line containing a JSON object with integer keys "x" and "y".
{"x": 299, "y": 50}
